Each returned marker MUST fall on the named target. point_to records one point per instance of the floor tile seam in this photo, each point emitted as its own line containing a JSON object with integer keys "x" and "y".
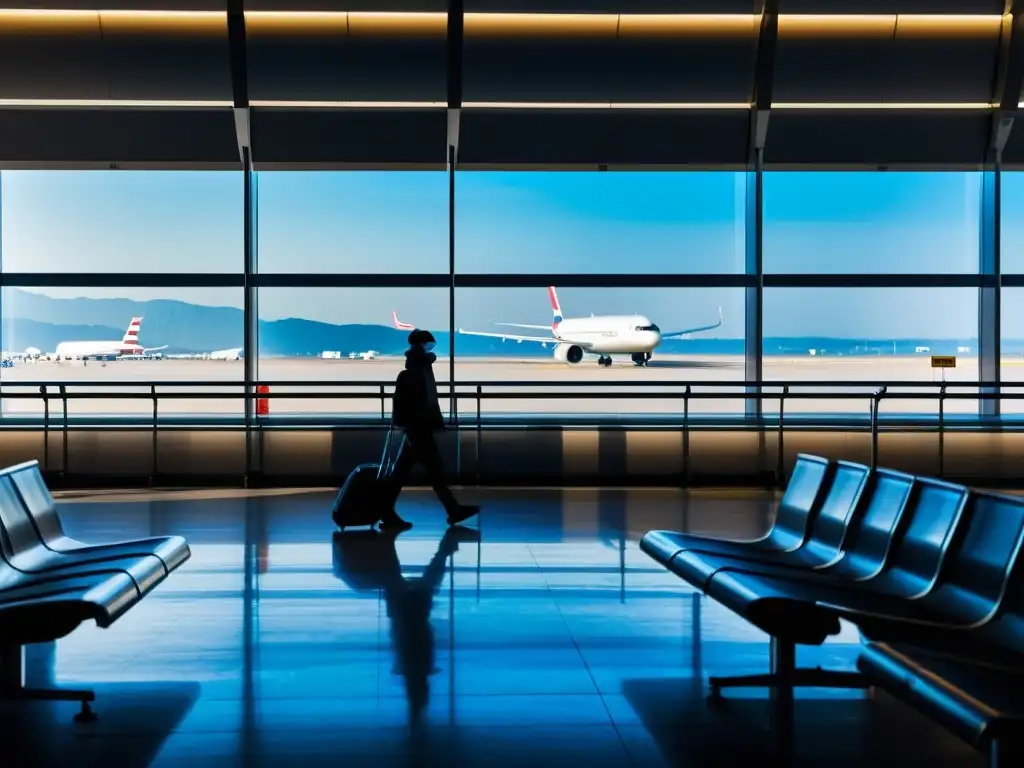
{"x": 586, "y": 665}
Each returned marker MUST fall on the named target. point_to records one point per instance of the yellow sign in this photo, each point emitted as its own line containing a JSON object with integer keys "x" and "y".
{"x": 943, "y": 361}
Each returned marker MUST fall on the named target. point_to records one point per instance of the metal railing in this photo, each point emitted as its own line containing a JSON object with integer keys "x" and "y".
{"x": 479, "y": 392}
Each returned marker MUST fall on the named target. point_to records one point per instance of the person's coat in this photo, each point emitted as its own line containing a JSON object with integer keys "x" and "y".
{"x": 415, "y": 407}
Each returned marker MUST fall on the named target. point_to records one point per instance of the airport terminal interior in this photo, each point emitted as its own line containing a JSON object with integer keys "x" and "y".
{"x": 722, "y": 302}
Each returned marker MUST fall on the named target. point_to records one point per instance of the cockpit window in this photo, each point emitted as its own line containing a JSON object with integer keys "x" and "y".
{"x": 648, "y": 328}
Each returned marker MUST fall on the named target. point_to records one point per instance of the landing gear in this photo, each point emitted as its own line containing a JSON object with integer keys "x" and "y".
{"x": 604, "y": 360}
{"x": 641, "y": 358}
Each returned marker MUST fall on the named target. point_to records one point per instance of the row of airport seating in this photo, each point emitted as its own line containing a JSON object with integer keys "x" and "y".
{"x": 931, "y": 574}
{"x": 50, "y": 584}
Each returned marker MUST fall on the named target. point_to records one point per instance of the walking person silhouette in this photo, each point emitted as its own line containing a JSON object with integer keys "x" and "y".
{"x": 416, "y": 411}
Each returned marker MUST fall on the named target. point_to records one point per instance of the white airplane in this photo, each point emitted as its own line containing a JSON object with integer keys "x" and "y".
{"x": 370, "y": 354}
{"x": 227, "y": 354}
{"x": 574, "y": 337}
{"x": 129, "y": 345}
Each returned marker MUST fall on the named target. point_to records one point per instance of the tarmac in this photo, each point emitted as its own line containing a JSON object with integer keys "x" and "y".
{"x": 506, "y": 386}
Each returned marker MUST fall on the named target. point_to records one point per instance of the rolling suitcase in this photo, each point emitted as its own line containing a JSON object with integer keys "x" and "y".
{"x": 367, "y": 491}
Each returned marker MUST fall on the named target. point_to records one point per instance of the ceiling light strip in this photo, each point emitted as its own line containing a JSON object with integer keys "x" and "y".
{"x": 496, "y": 105}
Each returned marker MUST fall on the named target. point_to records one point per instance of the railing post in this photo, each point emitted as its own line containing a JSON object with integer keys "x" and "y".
{"x": 64, "y": 447}
{"x": 686, "y": 437}
{"x": 876, "y": 399}
{"x": 479, "y": 430}
{"x": 156, "y": 401}
{"x": 942, "y": 436}
{"x": 383, "y": 395}
{"x": 780, "y": 466}
{"x": 46, "y": 427}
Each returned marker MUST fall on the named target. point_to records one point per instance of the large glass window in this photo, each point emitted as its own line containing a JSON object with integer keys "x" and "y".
{"x": 596, "y": 323}
{"x": 870, "y": 335}
{"x": 1012, "y": 327}
{"x": 863, "y": 223}
{"x": 353, "y": 222}
{"x": 584, "y": 222}
{"x": 120, "y": 341}
{"x": 350, "y": 340}
{"x": 122, "y": 221}
{"x": 1012, "y": 223}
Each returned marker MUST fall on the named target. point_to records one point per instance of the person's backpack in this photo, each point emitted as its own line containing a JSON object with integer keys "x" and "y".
{"x": 405, "y": 404}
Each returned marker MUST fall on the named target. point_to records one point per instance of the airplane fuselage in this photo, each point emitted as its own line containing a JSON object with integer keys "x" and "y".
{"x": 73, "y": 350}
{"x": 610, "y": 334}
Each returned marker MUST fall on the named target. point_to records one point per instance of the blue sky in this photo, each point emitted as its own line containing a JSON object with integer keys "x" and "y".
{"x": 527, "y": 222}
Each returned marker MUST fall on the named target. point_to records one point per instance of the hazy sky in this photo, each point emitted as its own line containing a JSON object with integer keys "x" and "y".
{"x": 527, "y": 222}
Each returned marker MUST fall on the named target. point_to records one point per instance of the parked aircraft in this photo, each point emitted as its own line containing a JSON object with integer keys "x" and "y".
{"x": 602, "y": 335}
{"x": 129, "y": 345}
{"x": 227, "y": 354}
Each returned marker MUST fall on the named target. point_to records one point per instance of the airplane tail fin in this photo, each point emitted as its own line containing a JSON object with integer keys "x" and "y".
{"x": 556, "y": 308}
{"x": 131, "y": 336}
{"x": 399, "y": 325}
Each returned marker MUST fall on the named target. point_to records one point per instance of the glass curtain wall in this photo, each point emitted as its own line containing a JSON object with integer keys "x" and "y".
{"x": 625, "y": 287}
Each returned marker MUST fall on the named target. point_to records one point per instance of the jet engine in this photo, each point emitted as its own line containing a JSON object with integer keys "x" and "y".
{"x": 568, "y": 353}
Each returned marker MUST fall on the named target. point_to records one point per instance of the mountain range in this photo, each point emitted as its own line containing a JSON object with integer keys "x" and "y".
{"x": 35, "y": 320}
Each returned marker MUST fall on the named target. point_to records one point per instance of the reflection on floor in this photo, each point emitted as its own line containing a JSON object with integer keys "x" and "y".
{"x": 550, "y": 638}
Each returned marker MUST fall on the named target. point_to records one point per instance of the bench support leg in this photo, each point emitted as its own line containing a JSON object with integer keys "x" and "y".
{"x": 785, "y": 674}
{"x": 12, "y": 685}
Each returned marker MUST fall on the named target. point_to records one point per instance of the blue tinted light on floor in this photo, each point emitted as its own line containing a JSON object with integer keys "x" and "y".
{"x": 548, "y": 639}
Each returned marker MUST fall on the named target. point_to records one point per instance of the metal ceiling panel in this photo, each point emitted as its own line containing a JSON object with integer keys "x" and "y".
{"x": 118, "y": 5}
{"x": 877, "y": 138}
{"x": 623, "y": 69}
{"x": 609, "y": 6}
{"x": 909, "y": 70}
{"x": 563, "y": 138}
{"x": 296, "y": 138}
{"x": 378, "y": 6}
{"x": 87, "y": 57}
{"x": 891, "y": 6}
{"x": 306, "y": 67}
{"x": 136, "y": 138}
{"x": 67, "y": 66}
{"x": 942, "y": 70}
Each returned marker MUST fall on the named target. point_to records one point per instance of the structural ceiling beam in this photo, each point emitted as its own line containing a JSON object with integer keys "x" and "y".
{"x": 456, "y": 27}
{"x": 1009, "y": 78}
{"x": 764, "y": 77}
{"x": 239, "y": 78}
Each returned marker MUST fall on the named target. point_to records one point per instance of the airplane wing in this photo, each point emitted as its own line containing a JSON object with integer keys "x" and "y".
{"x": 523, "y": 325}
{"x": 516, "y": 337}
{"x": 673, "y": 334}
{"x": 154, "y": 349}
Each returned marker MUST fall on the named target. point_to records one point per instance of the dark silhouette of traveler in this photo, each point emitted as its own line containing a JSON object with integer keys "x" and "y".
{"x": 368, "y": 560}
{"x": 416, "y": 410}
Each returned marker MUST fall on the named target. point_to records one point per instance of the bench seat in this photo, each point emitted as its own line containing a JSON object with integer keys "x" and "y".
{"x": 38, "y": 611}
{"x": 29, "y": 484}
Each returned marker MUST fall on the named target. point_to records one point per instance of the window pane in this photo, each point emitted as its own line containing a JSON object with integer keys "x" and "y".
{"x": 353, "y": 221}
{"x": 346, "y": 338}
{"x": 1012, "y": 368}
{"x": 861, "y": 222}
{"x": 871, "y": 335}
{"x": 1012, "y": 222}
{"x": 580, "y": 222}
{"x": 122, "y": 221}
{"x": 92, "y": 331}
{"x": 599, "y": 321}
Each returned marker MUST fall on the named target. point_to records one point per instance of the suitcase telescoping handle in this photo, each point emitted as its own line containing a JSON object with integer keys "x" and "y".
{"x": 387, "y": 463}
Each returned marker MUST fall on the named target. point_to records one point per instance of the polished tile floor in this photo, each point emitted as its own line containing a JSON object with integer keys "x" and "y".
{"x": 542, "y": 637}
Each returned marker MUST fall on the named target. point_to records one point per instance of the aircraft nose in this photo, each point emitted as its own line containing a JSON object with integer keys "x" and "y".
{"x": 655, "y": 337}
